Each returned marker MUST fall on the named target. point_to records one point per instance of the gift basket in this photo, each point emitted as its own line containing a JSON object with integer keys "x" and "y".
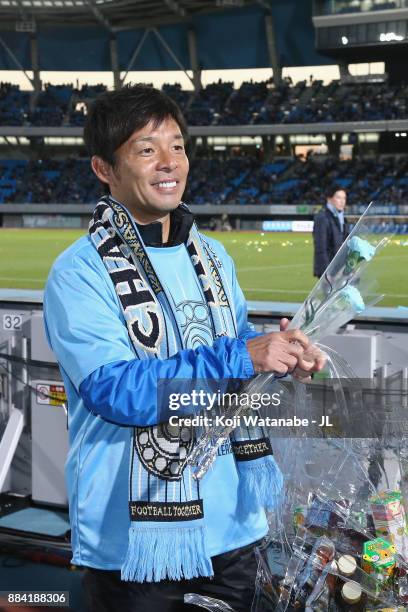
{"x": 338, "y": 538}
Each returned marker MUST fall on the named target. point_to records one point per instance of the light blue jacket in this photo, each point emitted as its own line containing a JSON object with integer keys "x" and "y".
{"x": 109, "y": 390}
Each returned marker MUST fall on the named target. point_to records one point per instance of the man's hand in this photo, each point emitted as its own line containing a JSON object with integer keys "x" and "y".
{"x": 312, "y": 359}
{"x": 280, "y": 352}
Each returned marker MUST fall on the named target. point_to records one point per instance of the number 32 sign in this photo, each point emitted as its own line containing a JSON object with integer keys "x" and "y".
{"x": 12, "y": 322}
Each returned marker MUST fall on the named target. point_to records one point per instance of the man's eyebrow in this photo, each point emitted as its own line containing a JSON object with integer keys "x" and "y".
{"x": 153, "y": 138}
{"x": 144, "y": 139}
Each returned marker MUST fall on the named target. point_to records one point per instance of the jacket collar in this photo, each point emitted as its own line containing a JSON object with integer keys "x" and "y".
{"x": 181, "y": 220}
{"x": 337, "y": 215}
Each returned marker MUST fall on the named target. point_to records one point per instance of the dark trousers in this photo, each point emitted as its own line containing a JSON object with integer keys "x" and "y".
{"x": 233, "y": 583}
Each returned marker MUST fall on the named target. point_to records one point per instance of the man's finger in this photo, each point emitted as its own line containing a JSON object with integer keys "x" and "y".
{"x": 306, "y": 366}
{"x": 316, "y": 355}
{"x": 320, "y": 362}
{"x": 294, "y": 349}
{"x": 283, "y": 324}
{"x": 281, "y": 368}
{"x": 296, "y": 335}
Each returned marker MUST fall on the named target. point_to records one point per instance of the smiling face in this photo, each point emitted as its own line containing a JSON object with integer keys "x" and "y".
{"x": 150, "y": 172}
{"x": 338, "y": 200}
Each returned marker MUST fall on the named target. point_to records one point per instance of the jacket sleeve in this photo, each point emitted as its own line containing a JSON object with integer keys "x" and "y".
{"x": 87, "y": 333}
{"x": 320, "y": 237}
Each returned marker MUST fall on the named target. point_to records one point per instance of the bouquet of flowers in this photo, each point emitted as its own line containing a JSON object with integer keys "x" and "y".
{"x": 345, "y": 290}
{"x": 347, "y": 287}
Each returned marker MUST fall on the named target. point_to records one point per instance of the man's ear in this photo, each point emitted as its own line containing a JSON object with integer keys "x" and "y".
{"x": 102, "y": 169}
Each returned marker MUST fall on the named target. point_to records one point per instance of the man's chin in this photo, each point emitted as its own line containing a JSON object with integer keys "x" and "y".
{"x": 167, "y": 205}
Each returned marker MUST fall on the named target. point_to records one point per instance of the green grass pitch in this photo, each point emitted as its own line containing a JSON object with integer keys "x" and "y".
{"x": 270, "y": 266}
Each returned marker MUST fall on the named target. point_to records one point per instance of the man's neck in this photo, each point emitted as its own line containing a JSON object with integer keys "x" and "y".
{"x": 334, "y": 210}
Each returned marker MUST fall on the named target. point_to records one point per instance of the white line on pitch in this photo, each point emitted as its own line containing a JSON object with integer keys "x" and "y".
{"x": 272, "y": 267}
{"x": 300, "y": 265}
{"x": 26, "y": 280}
{"x": 304, "y": 292}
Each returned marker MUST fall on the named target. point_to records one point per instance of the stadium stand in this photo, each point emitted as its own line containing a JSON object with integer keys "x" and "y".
{"x": 51, "y": 106}
{"x": 350, "y": 102}
{"x": 178, "y": 94}
{"x": 219, "y": 104}
{"x": 245, "y": 104}
{"x": 79, "y": 101}
{"x": 208, "y": 104}
{"x": 11, "y": 171}
{"x": 235, "y": 180}
{"x": 297, "y": 181}
{"x": 14, "y": 104}
{"x": 49, "y": 180}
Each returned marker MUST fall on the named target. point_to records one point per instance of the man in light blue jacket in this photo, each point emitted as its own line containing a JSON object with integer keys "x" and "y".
{"x": 144, "y": 297}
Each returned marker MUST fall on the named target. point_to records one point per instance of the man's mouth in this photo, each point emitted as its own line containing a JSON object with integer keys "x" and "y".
{"x": 168, "y": 185}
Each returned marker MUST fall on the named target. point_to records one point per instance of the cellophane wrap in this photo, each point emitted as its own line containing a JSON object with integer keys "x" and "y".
{"x": 348, "y": 286}
{"x": 338, "y": 541}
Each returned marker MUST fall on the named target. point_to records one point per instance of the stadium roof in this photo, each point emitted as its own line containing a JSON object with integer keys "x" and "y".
{"x": 76, "y": 35}
{"x": 113, "y": 14}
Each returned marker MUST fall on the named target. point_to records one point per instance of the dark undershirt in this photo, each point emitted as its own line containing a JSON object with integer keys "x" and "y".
{"x": 181, "y": 221}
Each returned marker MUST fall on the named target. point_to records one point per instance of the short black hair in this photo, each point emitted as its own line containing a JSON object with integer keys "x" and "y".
{"x": 115, "y": 115}
{"x": 331, "y": 190}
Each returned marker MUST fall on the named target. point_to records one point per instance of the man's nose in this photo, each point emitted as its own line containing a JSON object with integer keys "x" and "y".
{"x": 166, "y": 161}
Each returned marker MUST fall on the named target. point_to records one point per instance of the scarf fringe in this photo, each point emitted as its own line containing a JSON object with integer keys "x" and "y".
{"x": 156, "y": 554}
{"x": 260, "y": 484}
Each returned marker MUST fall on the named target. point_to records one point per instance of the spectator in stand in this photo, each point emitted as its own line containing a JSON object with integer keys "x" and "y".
{"x": 330, "y": 229}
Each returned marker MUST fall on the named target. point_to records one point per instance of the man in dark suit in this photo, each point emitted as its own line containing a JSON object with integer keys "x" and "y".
{"x": 330, "y": 229}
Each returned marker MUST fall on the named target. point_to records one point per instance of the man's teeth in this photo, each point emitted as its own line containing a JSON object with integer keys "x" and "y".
{"x": 167, "y": 185}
